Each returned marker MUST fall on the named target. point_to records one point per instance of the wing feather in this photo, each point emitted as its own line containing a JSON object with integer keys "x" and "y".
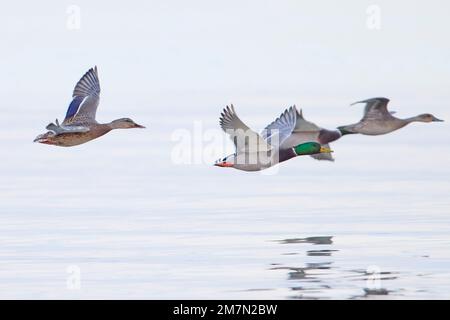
{"x": 279, "y": 130}
{"x": 245, "y": 139}
{"x": 375, "y": 109}
{"x": 86, "y": 97}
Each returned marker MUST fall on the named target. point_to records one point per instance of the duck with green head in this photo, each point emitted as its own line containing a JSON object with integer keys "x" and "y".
{"x": 255, "y": 152}
{"x": 307, "y": 131}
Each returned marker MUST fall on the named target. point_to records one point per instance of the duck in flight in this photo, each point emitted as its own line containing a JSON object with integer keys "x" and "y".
{"x": 79, "y": 125}
{"x": 255, "y": 151}
{"x": 306, "y": 131}
{"x": 378, "y": 120}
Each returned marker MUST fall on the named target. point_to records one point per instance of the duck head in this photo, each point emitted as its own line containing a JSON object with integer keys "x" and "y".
{"x": 427, "y": 117}
{"x": 309, "y": 148}
{"x": 124, "y": 123}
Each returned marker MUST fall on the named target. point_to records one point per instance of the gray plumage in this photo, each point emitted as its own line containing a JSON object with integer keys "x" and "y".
{"x": 255, "y": 151}
{"x": 306, "y": 131}
{"x": 377, "y": 119}
{"x": 79, "y": 125}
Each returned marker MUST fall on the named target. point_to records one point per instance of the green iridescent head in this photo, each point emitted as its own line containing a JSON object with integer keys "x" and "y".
{"x": 310, "y": 148}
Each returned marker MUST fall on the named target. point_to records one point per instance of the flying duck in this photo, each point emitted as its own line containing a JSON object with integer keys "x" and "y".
{"x": 378, "y": 120}
{"x": 306, "y": 131}
{"x": 255, "y": 151}
{"x": 79, "y": 125}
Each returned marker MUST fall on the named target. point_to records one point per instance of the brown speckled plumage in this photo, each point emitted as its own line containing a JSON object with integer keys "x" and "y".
{"x": 79, "y": 125}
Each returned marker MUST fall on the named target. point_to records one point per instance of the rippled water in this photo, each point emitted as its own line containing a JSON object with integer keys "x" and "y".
{"x": 374, "y": 224}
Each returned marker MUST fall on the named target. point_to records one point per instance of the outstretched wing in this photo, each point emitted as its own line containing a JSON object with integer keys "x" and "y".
{"x": 245, "y": 139}
{"x": 86, "y": 97}
{"x": 279, "y": 130}
{"x": 375, "y": 109}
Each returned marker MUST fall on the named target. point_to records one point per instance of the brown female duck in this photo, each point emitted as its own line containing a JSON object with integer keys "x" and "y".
{"x": 79, "y": 125}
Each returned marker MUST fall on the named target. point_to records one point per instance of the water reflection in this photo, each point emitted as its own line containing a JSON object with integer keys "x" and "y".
{"x": 323, "y": 253}
{"x": 365, "y": 275}
{"x": 372, "y": 293}
{"x": 315, "y": 274}
{"x": 375, "y": 279}
{"x": 309, "y": 276}
{"x": 312, "y": 240}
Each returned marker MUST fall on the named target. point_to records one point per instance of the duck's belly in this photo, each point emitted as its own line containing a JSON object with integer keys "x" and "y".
{"x": 255, "y": 161}
{"x": 375, "y": 128}
{"x": 262, "y": 160}
{"x": 74, "y": 139}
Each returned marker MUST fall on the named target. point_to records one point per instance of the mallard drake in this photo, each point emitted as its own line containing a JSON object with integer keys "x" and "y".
{"x": 79, "y": 125}
{"x": 255, "y": 151}
{"x": 378, "y": 120}
{"x": 306, "y": 131}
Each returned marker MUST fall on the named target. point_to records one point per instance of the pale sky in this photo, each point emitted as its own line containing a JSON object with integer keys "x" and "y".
{"x": 184, "y": 61}
{"x": 201, "y": 53}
